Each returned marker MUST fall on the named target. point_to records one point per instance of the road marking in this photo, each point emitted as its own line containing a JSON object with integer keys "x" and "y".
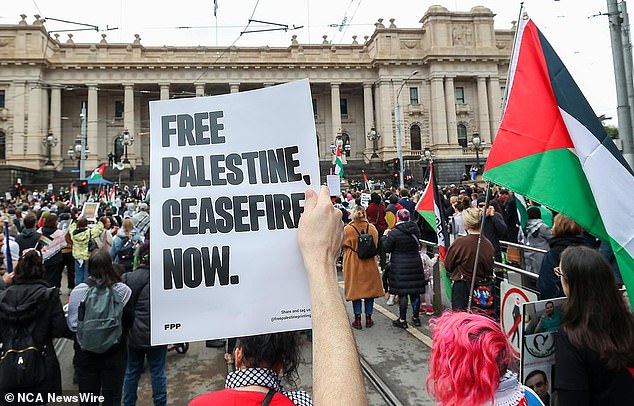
{"x": 424, "y": 338}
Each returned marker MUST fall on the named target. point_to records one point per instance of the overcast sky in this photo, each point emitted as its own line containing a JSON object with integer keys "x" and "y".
{"x": 574, "y": 27}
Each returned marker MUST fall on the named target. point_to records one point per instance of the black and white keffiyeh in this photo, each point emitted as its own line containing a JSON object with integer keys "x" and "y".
{"x": 267, "y": 378}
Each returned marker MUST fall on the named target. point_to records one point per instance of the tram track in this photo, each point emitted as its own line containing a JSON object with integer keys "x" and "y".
{"x": 379, "y": 384}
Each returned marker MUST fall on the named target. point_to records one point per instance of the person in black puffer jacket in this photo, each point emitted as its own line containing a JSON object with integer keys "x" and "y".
{"x": 30, "y": 302}
{"x": 52, "y": 254}
{"x": 29, "y": 237}
{"x": 139, "y": 336}
{"x": 566, "y": 233}
{"x": 405, "y": 275}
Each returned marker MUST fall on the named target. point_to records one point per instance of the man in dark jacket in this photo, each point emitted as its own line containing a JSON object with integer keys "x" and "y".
{"x": 29, "y": 236}
{"x": 139, "y": 336}
{"x": 494, "y": 226}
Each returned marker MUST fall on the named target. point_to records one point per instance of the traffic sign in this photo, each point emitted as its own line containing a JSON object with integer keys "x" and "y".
{"x": 513, "y": 297}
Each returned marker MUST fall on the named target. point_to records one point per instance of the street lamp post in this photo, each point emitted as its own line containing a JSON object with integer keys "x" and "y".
{"x": 397, "y": 117}
{"x": 476, "y": 141}
{"x": 49, "y": 141}
{"x": 79, "y": 152}
{"x": 428, "y": 156}
{"x": 128, "y": 139}
{"x": 374, "y": 136}
{"x": 82, "y": 144}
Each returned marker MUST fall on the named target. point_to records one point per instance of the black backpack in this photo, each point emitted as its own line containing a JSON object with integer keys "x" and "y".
{"x": 366, "y": 247}
{"x": 22, "y": 361}
{"x": 125, "y": 254}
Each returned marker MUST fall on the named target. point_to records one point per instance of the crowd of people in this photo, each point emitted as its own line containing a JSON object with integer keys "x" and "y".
{"x": 107, "y": 264}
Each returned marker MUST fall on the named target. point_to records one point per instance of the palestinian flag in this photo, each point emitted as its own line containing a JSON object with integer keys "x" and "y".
{"x": 338, "y": 162}
{"x": 74, "y": 197}
{"x": 112, "y": 196}
{"x": 431, "y": 209}
{"x": 98, "y": 172}
{"x": 551, "y": 148}
{"x": 367, "y": 182}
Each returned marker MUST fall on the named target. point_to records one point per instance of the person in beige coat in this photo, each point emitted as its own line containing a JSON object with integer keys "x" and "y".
{"x": 362, "y": 280}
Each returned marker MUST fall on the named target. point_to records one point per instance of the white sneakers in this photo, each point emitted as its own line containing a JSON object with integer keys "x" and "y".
{"x": 390, "y": 300}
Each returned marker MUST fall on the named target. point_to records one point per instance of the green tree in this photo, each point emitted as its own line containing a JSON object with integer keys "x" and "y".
{"x": 612, "y": 131}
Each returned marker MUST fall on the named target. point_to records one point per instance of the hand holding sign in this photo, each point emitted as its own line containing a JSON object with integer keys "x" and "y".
{"x": 319, "y": 222}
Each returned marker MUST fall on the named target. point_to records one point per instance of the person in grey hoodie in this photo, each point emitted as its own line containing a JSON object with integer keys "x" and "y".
{"x": 538, "y": 235}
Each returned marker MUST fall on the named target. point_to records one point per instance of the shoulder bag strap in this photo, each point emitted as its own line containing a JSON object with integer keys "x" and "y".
{"x": 268, "y": 397}
{"x": 355, "y": 229}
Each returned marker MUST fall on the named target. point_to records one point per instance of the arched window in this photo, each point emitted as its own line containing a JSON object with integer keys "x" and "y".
{"x": 462, "y": 135}
{"x": 414, "y": 135}
{"x": 3, "y": 145}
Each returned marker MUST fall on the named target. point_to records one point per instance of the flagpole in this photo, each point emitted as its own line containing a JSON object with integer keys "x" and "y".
{"x": 477, "y": 255}
{"x": 507, "y": 88}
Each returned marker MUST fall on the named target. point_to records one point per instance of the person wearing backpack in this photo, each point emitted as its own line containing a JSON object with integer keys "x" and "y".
{"x": 82, "y": 235}
{"x": 100, "y": 352}
{"x": 362, "y": 280}
{"x": 31, "y": 316}
{"x": 124, "y": 245}
{"x": 139, "y": 336}
{"x": 406, "y": 276}
{"x": 51, "y": 244}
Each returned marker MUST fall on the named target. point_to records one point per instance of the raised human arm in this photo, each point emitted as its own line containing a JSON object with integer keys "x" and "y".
{"x": 319, "y": 238}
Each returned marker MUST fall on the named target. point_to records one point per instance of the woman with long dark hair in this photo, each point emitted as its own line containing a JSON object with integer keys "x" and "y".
{"x": 260, "y": 362}
{"x": 100, "y": 372}
{"x": 30, "y": 305}
{"x": 52, "y": 250}
{"x": 595, "y": 344}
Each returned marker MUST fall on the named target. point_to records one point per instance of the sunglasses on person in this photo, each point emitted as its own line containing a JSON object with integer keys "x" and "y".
{"x": 557, "y": 271}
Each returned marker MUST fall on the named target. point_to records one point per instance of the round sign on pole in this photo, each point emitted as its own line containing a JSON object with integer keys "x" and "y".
{"x": 511, "y": 317}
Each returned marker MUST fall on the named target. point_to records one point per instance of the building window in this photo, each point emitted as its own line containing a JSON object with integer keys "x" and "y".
{"x": 1, "y": 99}
{"x": 315, "y": 107}
{"x": 3, "y": 145}
{"x": 460, "y": 95}
{"x": 118, "y": 109}
{"x": 343, "y": 103}
{"x": 462, "y": 135}
{"x": 502, "y": 92}
{"x": 413, "y": 95}
{"x": 414, "y": 134}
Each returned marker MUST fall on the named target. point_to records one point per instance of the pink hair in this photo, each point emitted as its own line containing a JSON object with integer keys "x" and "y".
{"x": 468, "y": 355}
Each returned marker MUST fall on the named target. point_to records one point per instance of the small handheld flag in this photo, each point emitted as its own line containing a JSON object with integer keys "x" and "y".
{"x": 338, "y": 162}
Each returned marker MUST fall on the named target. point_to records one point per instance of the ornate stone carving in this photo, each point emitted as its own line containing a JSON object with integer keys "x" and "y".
{"x": 137, "y": 39}
{"x": 325, "y": 41}
{"x": 379, "y": 24}
{"x": 103, "y": 39}
{"x": 410, "y": 44}
{"x": 462, "y": 35}
{"x": 392, "y": 25}
{"x": 294, "y": 40}
{"x": 354, "y": 40}
{"x": 70, "y": 39}
{"x": 23, "y": 21}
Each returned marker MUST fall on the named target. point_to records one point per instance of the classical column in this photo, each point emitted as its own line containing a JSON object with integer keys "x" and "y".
{"x": 368, "y": 114}
{"x": 335, "y": 110}
{"x": 450, "y": 101}
{"x": 438, "y": 114}
{"x": 483, "y": 110}
{"x": 385, "y": 108}
{"x": 234, "y": 87}
{"x": 44, "y": 108}
{"x": 200, "y": 89}
{"x": 55, "y": 124}
{"x": 34, "y": 130}
{"x": 128, "y": 118}
{"x": 165, "y": 91}
{"x": 92, "y": 130}
{"x": 495, "y": 105}
{"x": 19, "y": 89}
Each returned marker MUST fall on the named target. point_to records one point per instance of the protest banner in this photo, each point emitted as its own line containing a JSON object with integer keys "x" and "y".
{"x": 365, "y": 199}
{"x": 89, "y": 211}
{"x": 334, "y": 184}
{"x": 511, "y": 317}
{"x": 228, "y": 177}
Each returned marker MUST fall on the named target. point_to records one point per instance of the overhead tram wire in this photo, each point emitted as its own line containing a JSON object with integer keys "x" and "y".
{"x": 230, "y": 46}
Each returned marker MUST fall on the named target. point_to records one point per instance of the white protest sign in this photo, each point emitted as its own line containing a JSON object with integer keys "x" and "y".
{"x": 228, "y": 176}
{"x": 334, "y": 184}
{"x": 513, "y": 297}
{"x": 365, "y": 199}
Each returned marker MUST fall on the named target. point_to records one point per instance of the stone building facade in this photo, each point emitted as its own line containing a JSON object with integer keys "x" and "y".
{"x": 462, "y": 64}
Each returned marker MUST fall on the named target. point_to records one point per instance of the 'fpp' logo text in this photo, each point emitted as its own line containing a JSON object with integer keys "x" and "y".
{"x": 172, "y": 326}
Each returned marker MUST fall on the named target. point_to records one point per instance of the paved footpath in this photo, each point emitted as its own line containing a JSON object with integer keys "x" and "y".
{"x": 399, "y": 357}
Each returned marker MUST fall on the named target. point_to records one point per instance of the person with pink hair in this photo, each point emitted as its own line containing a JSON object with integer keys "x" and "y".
{"x": 469, "y": 364}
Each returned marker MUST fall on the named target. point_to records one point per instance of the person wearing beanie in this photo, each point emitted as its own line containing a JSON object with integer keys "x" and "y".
{"x": 139, "y": 347}
{"x": 405, "y": 274}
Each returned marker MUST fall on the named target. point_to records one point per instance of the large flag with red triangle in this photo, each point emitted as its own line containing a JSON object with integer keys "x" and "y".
{"x": 430, "y": 207}
{"x": 552, "y": 148}
{"x": 98, "y": 172}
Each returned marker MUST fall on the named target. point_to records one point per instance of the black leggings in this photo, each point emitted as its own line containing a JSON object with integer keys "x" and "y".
{"x": 460, "y": 294}
{"x": 402, "y": 305}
